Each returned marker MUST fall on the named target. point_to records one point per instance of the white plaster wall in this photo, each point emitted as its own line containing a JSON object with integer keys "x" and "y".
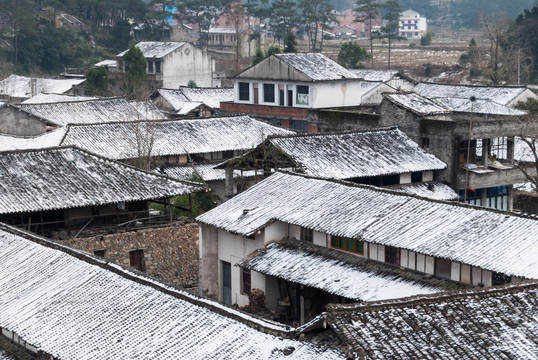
{"x": 179, "y": 67}
{"x": 335, "y": 94}
{"x": 430, "y": 265}
{"x": 381, "y": 253}
{"x": 405, "y": 178}
{"x": 233, "y": 248}
{"x": 427, "y": 176}
{"x": 404, "y": 258}
{"x": 257, "y": 281}
{"x": 421, "y": 263}
{"x": 295, "y": 231}
{"x": 275, "y": 232}
{"x": 465, "y": 274}
{"x": 487, "y": 278}
{"x": 455, "y": 271}
{"x": 372, "y": 253}
{"x": 477, "y": 275}
{"x": 411, "y": 262}
{"x": 320, "y": 239}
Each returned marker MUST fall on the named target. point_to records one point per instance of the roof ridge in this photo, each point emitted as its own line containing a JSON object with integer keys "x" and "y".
{"x": 147, "y": 280}
{"x": 432, "y": 298}
{"x": 75, "y": 101}
{"x": 346, "y": 132}
{"x": 399, "y": 193}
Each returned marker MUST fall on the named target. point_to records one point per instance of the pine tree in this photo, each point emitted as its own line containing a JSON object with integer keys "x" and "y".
{"x": 367, "y": 10}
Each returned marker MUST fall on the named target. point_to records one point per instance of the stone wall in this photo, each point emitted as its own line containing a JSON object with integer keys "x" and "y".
{"x": 170, "y": 253}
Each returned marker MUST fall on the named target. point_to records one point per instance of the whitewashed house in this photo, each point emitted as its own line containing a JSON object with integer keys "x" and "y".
{"x": 174, "y": 64}
{"x": 412, "y": 25}
{"x": 307, "y": 80}
{"x": 460, "y": 243}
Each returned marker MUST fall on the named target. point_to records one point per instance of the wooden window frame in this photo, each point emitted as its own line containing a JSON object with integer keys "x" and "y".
{"x": 342, "y": 243}
{"x": 392, "y": 259}
{"x": 246, "y": 281}
{"x": 307, "y": 234}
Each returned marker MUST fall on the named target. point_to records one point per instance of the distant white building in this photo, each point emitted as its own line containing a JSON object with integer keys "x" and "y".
{"x": 174, "y": 64}
{"x": 412, "y": 25}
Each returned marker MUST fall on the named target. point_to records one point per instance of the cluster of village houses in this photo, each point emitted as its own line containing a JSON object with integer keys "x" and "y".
{"x": 372, "y": 215}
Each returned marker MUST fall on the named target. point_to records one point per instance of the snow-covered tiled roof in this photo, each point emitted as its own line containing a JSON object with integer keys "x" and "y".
{"x": 47, "y": 140}
{"x": 174, "y": 137}
{"x": 417, "y": 104}
{"x": 85, "y": 112}
{"x": 147, "y": 110}
{"x": 55, "y": 98}
{"x": 156, "y": 49}
{"x": 337, "y": 272}
{"x": 478, "y": 107}
{"x": 73, "y": 306}
{"x": 374, "y": 75}
{"x": 62, "y": 178}
{"x": 25, "y": 87}
{"x": 221, "y": 30}
{"x": 488, "y": 239}
{"x": 356, "y": 154}
{"x": 212, "y": 97}
{"x": 106, "y": 63}
{"x": 434, "y": 190}
{"x": 206, "y": 171}
{"x": 316, "y": 66}
{"x": 500, "y": 94}
{"x": 493, "y": 323}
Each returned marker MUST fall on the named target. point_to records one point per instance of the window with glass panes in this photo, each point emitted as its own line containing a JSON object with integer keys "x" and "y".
{"x": 343, "y": 243}
{"x": 307, "y": 234}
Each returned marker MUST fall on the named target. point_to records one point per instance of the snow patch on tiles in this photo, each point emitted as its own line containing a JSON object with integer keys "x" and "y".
{"x": 47, "y": 293}
{"x": 25, "y": 87}
{"x": 316, "y": 66}
{"x": 486, "y": 239}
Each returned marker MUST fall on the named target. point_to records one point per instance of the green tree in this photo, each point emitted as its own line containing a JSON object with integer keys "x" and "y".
{"x": 273, "y": 49}
{"x": 96, "y": 82}
{"x": 290, "y": 43}
{"x": 524, "y": 34}
{"x": 202, "y": 12}
{"x": 316, "y": 14}
{"x": 259, "y": 56}
{"x": 367, "y": 10}
{"x": 351, "y": 55}
{"x": 283, "y": 18}
{"x": 426, "y": 39}
{"x": 392, "y": 18}
{"x": 136, "y": 79}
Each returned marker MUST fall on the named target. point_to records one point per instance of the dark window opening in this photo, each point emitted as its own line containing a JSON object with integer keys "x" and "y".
{"x": 416, "y": 177}
{"x": 501, "y": 279}
{"x": 390, "y": 180}
{"x": 150, "y": 66}
{"x": 299, "y": 125}
{"x": 269, "y": 93}
{"x": 136, "y": 259}
{"x": 443, "y": 268}
{"x": 100, "y": 253}
{"x": 246, "y": 281}
{"x": 158, "y": 67}
{"x": 244, "y": 91}
{"x": 276, "y": 122}
{"x": 392, "y": 255}
{"x": 307, "y": 234}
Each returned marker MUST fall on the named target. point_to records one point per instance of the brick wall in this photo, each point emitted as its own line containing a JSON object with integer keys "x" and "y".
{"x": 170, "y": 253}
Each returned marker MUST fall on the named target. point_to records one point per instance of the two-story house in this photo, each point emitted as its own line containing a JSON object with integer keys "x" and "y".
{"x": 285, "y": 88}
{"x": 174, "y": 64}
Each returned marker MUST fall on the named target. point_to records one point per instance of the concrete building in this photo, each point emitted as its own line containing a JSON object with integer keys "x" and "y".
{"x": 174, "y": 64}
{"x": 284, "y": 88}
{"x": 412, "y": 25}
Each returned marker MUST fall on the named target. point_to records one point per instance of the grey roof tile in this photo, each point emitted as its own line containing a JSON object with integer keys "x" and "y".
{"x": 157, "y": 49}
{"x": 73, "y": 306}
{"x": 338, "y": 272}
{"x": 62, "y": 178}
{"x": 357, "y": 154}
{"x": 316, "y": 66}
{"x": 495, "y": 323}
{"x": 487, "y": 239}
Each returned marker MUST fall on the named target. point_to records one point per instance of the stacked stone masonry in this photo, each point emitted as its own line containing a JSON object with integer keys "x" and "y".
{"x": 169, "y": 253}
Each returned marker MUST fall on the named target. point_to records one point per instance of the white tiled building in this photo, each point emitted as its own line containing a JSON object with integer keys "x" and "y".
{"x": 412, "y": 25}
